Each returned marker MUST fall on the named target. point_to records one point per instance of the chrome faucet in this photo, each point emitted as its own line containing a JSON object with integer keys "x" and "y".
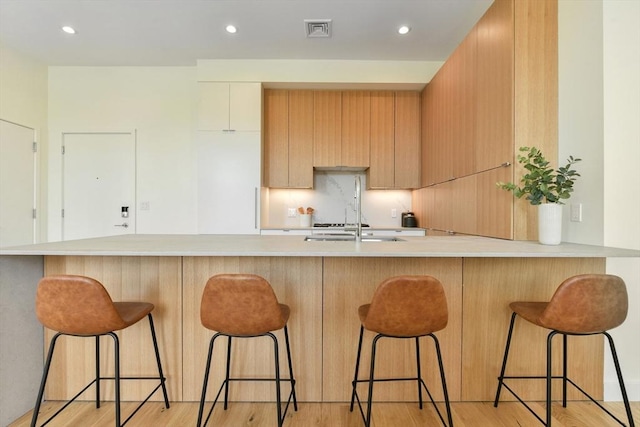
{"x": 358, "y": 198}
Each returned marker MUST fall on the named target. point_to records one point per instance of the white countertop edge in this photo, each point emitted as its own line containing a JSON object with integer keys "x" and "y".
{"x": 295, "y": 246}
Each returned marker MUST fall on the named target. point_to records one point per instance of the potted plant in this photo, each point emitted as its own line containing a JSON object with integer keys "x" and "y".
{"x": 545, "y": 187}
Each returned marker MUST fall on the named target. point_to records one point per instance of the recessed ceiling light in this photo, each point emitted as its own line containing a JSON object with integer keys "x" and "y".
{"x": 404, "y": 29}
{"x": 231, "y": 29}
{"x": 69, "y": 30}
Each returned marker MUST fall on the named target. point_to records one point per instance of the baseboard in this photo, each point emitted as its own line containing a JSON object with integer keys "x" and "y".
{"x": 612, "y": 391}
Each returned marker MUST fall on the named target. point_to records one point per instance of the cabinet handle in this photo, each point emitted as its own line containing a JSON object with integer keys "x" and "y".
{"x": 255, "y": 207}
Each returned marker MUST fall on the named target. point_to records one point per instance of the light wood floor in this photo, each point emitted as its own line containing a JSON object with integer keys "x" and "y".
{"x": 508, "y": 414}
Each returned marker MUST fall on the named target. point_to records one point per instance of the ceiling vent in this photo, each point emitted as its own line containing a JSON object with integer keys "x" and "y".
{"x": 317, "y": 27}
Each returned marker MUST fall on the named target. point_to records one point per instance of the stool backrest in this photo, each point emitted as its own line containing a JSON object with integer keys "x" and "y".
{"x": 408, "y": 306}
{"x": 240, "y": 304}
{"x": 587, "y": 303}
{"x": 76, "y": 305}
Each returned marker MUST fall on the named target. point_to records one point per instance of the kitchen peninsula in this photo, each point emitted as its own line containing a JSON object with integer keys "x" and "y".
{"x": 323, "y": 282}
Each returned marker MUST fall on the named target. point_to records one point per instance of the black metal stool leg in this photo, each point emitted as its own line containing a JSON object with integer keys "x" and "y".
{"x": 157, "y": 352}
{"x": 623, "y": 390}
{"x": 116, "y": 351}
{"x": 43, "y": 382}
{"x": 419, "y": 372}
{"x": 504, "y": 360}
{"x": 564, "y": 370}
{"x": 443, "y": 379}
{"x": 355, "y": 376}
{"x": 205, "y": 381}
{"x": 293, "y": 381}
{"x": 226, "y": 376}
{"x": 367, "y": 422}
{"x": 97, "y": 371}
{"x": 277, "y": 366}
{"x": 549, "y": 342}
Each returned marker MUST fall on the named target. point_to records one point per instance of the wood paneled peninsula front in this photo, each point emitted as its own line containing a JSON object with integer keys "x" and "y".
{"x": 324, "y": 283}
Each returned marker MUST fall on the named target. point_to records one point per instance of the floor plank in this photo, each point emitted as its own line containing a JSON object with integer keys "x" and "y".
{"x": 475, "y": 414}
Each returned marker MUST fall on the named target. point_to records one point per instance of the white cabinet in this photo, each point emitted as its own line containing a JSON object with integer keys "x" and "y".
{"x": 229, "y": 106}
{"x": 228, "y": 182}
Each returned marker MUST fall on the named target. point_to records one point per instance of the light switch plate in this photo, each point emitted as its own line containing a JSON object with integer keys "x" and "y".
{"x": 576, "y": 212}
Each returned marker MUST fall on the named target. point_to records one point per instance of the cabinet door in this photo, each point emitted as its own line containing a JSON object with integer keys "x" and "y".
{"x": 356, "y": 119}
{"x": 245, "y": 106}
{"x": 213, "y": 106}
{"x": 229, "y": 106}
{"x": 228, "y": 182}
{"x": 301, "y": 139}
{"x": 327, "y": 129}
{"x": 407, "y": 140}
{"x": 276, "y": 138}
{"x": 381, "y": 170}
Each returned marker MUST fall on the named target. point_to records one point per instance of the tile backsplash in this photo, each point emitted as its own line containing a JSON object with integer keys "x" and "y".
{"x": 333, "y": 200}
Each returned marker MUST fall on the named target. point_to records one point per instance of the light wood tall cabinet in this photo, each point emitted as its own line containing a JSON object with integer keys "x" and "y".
{"x": 288, "y": 137}
{"x": 395, "y": 140}
{"x": 496, "y": 92}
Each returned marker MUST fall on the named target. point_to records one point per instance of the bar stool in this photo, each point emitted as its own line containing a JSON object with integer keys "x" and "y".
{"x": 244, "y": 306}
{"x": 80, "y": 306}
{"x": 587, "y": 304}
{"x": 406, "y": 307}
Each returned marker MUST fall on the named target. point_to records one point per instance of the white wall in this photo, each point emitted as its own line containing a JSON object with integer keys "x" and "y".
{"x": 599, "y": 106}
{"x": 159, "y": 104}
{"x": 621, "y": 46}
{"x": 23, "y": 100}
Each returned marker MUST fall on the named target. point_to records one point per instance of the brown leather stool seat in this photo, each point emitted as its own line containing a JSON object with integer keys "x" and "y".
{"x": 81, "y": 306}
{"x": 405, "y": 307}
{"x": 244, "y": 306}
{"x": 586, "y": 304}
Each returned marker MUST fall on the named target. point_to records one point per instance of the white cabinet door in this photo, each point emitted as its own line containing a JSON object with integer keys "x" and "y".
{"x": 229, "y": 106}
{"x": 245, "y": 106}
{"x": 213, "y": 106}
{"x": 228, "y": 182}
{"x": 17, "y": 185}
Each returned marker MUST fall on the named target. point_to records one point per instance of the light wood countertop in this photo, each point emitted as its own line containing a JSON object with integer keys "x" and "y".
{"x": 295, "y": 246}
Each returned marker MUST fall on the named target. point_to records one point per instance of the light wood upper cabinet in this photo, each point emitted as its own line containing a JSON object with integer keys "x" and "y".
{"x": 276, "y": 138}
{"x": 301, "y": 139}
{"x": 356, "y": 119}
{"x": 327, "y": 129}
{"x": 381, "y": 172}
{"x": 288, "y": 137}
{"x": 407, "y": 140}
{"x": 395, "y": 140}
{"x": 379, "y": 130}
{"x": 229, "y": 106}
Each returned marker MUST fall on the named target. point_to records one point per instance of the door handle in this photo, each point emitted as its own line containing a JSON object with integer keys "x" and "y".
{"x": 124, "y": 224}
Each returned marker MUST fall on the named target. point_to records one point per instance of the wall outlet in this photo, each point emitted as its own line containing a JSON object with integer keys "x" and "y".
{"x": 576, "y": 212}
{"x": 291, "y": 212}
{"x": 394, "y": 213}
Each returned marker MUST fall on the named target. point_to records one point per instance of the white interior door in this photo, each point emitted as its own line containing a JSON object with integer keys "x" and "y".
{"x": 17, "y": 185}
{"x": 99, "y": 182}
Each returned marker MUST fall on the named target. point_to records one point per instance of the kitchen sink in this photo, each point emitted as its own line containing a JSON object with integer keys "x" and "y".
{"x": 349, "y": 238}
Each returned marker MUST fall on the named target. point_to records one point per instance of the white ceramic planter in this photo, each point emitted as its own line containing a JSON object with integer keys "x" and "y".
{"x": 550, "y": 223}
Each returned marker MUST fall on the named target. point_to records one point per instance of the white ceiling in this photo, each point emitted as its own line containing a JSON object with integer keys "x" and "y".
{"x": 178, "y": 32}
